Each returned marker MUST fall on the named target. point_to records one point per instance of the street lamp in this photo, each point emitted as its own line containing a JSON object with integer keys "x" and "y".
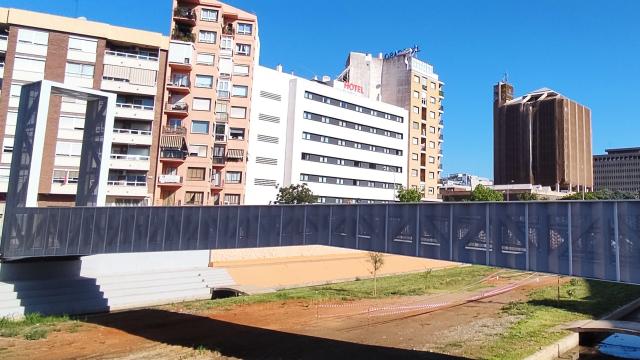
{"x": 508, "y": 187}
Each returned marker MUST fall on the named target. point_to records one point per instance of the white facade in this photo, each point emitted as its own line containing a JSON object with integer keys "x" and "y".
{"x": 345, "y": 146}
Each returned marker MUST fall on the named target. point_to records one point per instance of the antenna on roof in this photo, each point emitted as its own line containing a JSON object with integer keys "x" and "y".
{"x": 505, "y": 77}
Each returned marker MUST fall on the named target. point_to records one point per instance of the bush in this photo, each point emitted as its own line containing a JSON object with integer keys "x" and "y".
{"x": 409, "y": 195}
{"x": 483, "y": 193}
{"x": 36, "y": 334}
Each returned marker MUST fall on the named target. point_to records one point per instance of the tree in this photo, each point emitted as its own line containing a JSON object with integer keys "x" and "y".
{"x": 528, "y": 197}
{"x": 411, "y": 195}
{"x": 376, "y": 260}
{"x": 296, "y": 194}
{"x": 483, "y": 193}
{"x": 602, "y": 195}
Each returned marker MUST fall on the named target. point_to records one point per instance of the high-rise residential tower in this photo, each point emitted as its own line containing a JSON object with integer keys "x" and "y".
{"x": 203, "y": 147}
{"x": 403, "y": 80}
{"x": 128, "y": 62}
{"x": 541, "y": 138}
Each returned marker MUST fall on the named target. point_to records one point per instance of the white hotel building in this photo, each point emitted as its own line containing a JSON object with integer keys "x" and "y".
{"x": 346, "y": 147}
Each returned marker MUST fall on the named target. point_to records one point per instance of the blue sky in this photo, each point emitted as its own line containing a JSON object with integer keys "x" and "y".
{"x": 587, "y": 50}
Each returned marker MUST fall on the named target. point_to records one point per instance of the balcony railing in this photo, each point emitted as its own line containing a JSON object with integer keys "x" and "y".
{"x": 216, "y": 180}
{"x": 183, "y": 36}
{"x": 220, "y": 137}
{"x": 174, "y": 130}
{"x": 130, "y": 55}
{"x": 170, "y": 179}
{"x": 4, "y": 37}
{"x": 185, "y": 13}
{"x": 130, "y": 157}
{"x": 224, "y": 95}
{"x": 441, "y": 108}
{"x": 441, "y": 93}
{"x": 219, "y": 160}
{"x": 134, "y": 106}
{"x": 179, "y": 106}
{"x": 222, "y": 117}
{"x": 129, "y": 181}
{"x": 173, "y": 154}
{"x": 182, "y": 82}
{"x": 132, "y": 132}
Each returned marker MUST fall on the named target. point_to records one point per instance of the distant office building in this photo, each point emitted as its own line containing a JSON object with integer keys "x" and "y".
{"x": 403, "y": 80}
{"x": 618, "y": 170}
{"x": 346, "y": 147}
{"x": 541, "y": 138}
{"x": 203, "y": 147}
{"x": 510, "y": 192}
{"x": 464, "y": 181}
{"x": 128, "y": 62}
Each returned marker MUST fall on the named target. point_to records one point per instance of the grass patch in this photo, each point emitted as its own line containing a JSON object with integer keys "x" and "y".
{"x": 543, "y": 313}
{"x": 32, "y": 327}
{"x": 444, "y": 280}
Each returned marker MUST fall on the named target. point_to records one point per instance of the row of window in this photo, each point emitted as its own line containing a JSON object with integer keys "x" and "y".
{"x": 212, "y": 15}
{"x": 197, "y": 198}
{"x": 347, "y": 182}
{"x": 351, "y": 125}
{"x": 211, "y": 37}
{"x": 349, "y": 143}
{"x": 200, "y": 174}
{"x": 350, "y": 163}
{"x": 335, "y": 200}
{"x": 353, "y": 107}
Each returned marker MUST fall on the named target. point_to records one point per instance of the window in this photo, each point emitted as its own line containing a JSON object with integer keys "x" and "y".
{"x": 236, "y": 133}
{"x": 240, "y": 91}
{"x": 204, "y": 81}
{"x": 424, "y": 81}
{"x": 71, "y": 123}
{"x": 174, "y": 123}
{"x": 205, "y": 59}
{"x": 416, "y": 79}
{"x": 243, "y": 49}
{"x": 416, "y": 110}
{"x": 68, "y": 148}
{"x": 432, "y": 115}
{"x": 432, "y": 145}
{"x": 433, "y": 85}
{"x": 80, "y": 70}
{"x": 414, "y": 141}
{"x": 238, "y": 112}
{"x": 208, "y": 37}
{"x": 416, "y": 94}
{"x": 432, "y": 129}
{"x": 30, "y": 65}
{"x": 241, "y": 70}
{"x": 431, "y": 191}
{"x": 414, "y": 173}
{"x": 432, "y": 160}
{"x": 65, "y": 176}
{"x": 432, "y": 175}
{"x": 193, "y": 198}
{"x": 199, "y": 127}
{"x": 226, "y": 43}
{"x": 245, "y": 29}
{"x": 198, "y": 150}
{"x": 27, "y": 36}
{"x": 201, "y": 104}
{"x": 414, "y": 157}
{"x": 416, "y": 125}
{"x": 432, "y": 100}
{"x": 232, "y": 199}
{"x": 195, "y": 174}
{"x": 208, "y": 15}
{"x": 233, "y": 177}
{"x": 221, "y": 107}
{"x": 83, "y": 45}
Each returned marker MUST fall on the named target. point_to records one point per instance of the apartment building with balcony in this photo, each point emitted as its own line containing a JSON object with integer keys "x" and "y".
{"x": 401, "y": 79}
{"x": 213, "y": 51}
{"x": 346, "y": 147}
{"x": 128, "y": 62}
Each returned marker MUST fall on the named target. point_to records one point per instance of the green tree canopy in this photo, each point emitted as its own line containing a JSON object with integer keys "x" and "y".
{"x": 483, "y": 193}
{"x": 603, "y": 195}
{"x": 296, "y": 194}
{"x": 528, "y": 197}
{"x": 409, "y": 195}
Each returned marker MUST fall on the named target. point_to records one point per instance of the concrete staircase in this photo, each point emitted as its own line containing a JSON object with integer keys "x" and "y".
{"x": 103, "y": 293}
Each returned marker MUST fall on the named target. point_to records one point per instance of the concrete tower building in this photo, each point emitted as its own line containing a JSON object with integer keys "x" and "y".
{"x": 214, "y": 49}
{"x": 402, "y": 80}
{"x": 617, "y": 170}
{"x": 128, "y": 62}
{"x": 541, "y": 138}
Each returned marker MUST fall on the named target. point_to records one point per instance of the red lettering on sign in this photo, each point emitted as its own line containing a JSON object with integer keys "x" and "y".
{"x": 354, "y": 87}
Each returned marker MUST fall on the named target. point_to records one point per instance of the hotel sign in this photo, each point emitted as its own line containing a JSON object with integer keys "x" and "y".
{"x": 353, "y": 87}
{"x": 411, "y": 51}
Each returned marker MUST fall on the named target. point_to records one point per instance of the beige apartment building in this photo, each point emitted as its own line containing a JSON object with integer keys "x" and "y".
{"x": 203, "y": 144}
{"x": 128, "y": 62}
{"x": 403, "y": 80}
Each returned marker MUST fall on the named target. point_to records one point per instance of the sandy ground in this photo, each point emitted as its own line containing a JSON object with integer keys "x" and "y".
{"x": 288, "y": 330}
{"x": 285, "y": 272}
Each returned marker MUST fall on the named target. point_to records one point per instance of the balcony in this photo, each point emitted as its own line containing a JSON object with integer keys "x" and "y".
{"x": 133, "y": 111}
{"x": 441, "y": 123}
{"x": 216, "y": 181}
{"x": 222, "y": 117}
{"x": 131, "y": 60}
{"x": 129, "y": 162}
{"x": 172, "y": 155}
{"x": 177, "y": 109}
{"x": 179, "y": 85}
{"x": 219, "y": 161}
{"x": 441, "y": 109}
{"x": 174, "y": 130}
{"x": 185, "y": 15}
{"x": 224, "y": 95}
{"x": 183, "y": 36}
{"x": 220, "y": 138}
{"x": 170, "y": 180}
{"x": 441, "y": 138}
{"x": 128, "y": 186}
{"x": 441, "y": 93}
{"x": 109, "y": 84}
{"x": 132, "y": 136}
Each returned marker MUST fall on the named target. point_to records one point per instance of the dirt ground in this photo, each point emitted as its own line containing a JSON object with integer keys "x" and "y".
{"x": 407, "y": 327}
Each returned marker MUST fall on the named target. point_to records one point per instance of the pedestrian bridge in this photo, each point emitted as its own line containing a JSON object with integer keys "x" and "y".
{"x": 599, "y": 239}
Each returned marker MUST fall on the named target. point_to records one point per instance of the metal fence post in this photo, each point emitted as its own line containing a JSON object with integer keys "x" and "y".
{"x": 330, "y": 223}
{"x": 237, "y": 226}
{"x": 164, "y": 227}
{"x": 386, "y": 229}
{"x": 616, "y": 236}
{"x": 450, "y": 232}
{"x": 258, "y": 231}
{"x": 304, "y": 227}
{"x": 80, "y": 231}
{"x": 133, "y": 229}
{"x": 526, "y": 235}
{"x": 417, "y": 230}
{"x": 148, "y": 228}
{"x": 570, "y": 235}
{"x": 181, "y": 225}
{"x": 281, "y": 217}
{"x": 357, "y": 227}
{"x": 487, "y": 241}
{"x": 218, "y": 227}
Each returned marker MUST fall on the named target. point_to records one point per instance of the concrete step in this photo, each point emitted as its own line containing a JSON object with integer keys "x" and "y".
{"x": 12, "y": 312}
{"x": 44, "y": 284}
{"x": 116, "y": 293}
{"x": 59, "y": 298}
{"x": 72, "y": 287}
{"x": 111, "y": 279}
{"x": 151, "y": 283}
{"x": 160, "y": 298}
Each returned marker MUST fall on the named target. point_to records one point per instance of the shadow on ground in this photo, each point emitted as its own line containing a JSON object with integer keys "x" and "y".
{"x": 245, "y": 342}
